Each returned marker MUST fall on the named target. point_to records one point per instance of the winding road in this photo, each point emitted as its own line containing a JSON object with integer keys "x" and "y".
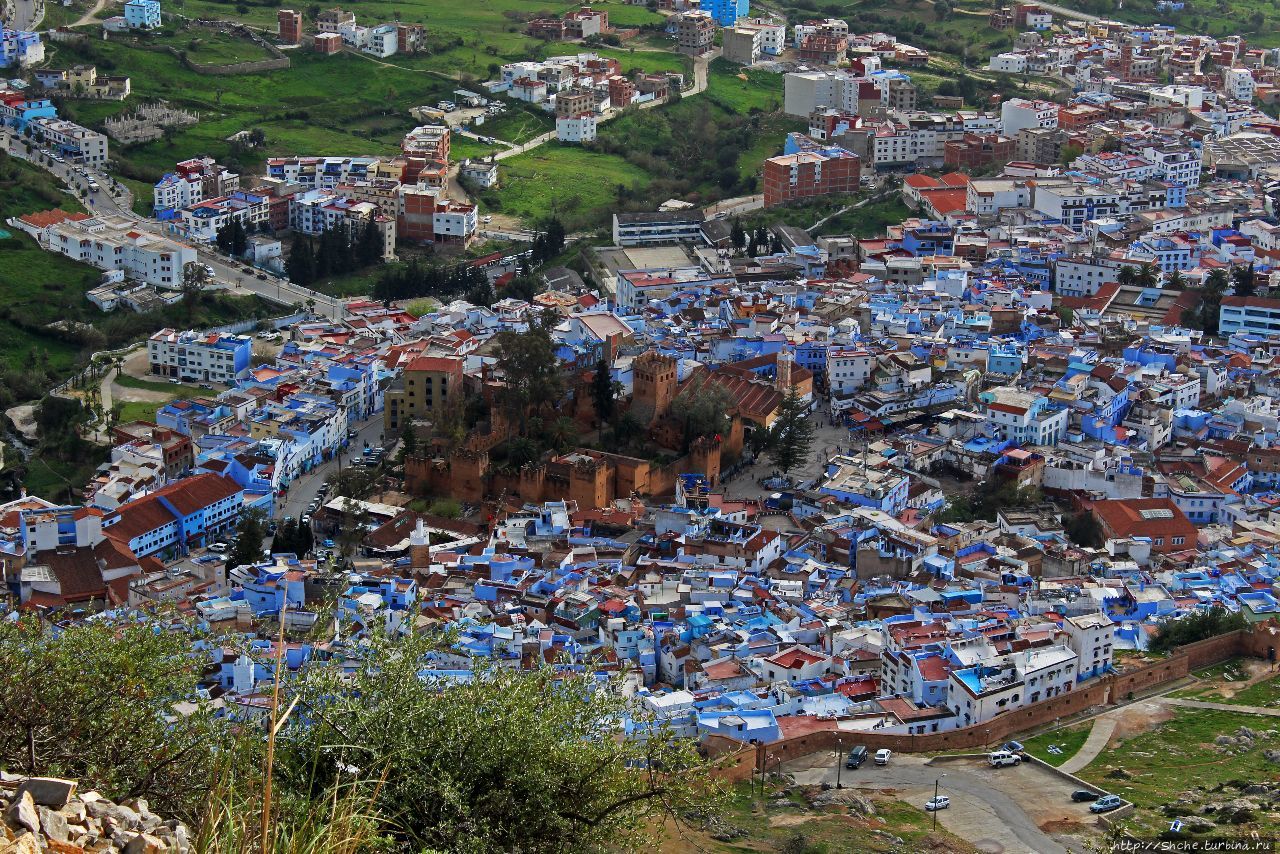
{"x": 27, "y": 14}
{"x": 119, "y": 204}
{"x": 978, "y": 807}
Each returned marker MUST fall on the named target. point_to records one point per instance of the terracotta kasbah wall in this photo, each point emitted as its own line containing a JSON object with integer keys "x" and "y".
{"x": 738, "y": 762}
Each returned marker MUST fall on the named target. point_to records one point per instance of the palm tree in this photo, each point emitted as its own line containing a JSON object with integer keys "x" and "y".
{"x": 1147, "y": 277}
{"x": 563, "y": 433}
{"x": 1216, "y": 282}
{"x": 1175, "y": 281}
{"x": 1127, "y": 275}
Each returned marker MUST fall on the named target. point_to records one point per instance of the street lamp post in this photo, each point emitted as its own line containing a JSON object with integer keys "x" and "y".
{"x": 839, "y": 761}
{"x": 935, "y": 800}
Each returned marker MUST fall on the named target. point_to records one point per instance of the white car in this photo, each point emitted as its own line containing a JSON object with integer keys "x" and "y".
{"x": 941, "y": 802}
{"x": 218, "y": 547}
{"x": 883, "y": 755}
{"x": 1003, "y": 758}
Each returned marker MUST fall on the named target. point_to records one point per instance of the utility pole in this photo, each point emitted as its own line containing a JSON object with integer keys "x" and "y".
{"x": 839, "y": 761}
{"x": 935, "y": 800}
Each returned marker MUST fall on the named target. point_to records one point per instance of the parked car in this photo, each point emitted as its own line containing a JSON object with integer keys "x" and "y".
{"x": 941, "y": 802}
{"x": 1106, "y": 803}
{"x": 1012, "y": 746}
{"x": 175, "y": 380}
{"x": 1083, "y": 796}
{"x": 218, "y": 547}
{"x": 1003, "y": 758}
{"x": 883, "y": 755}
{"x": 207, "y": 386}
{"x": 262, "y": 276}
{"x": 856, "y": 757}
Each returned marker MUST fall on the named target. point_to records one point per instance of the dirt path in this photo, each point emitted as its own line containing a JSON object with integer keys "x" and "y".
{"x": 90, "y": 16}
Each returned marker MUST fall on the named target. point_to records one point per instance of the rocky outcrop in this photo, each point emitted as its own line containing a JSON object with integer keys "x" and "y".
{"x": 47, "y": 814}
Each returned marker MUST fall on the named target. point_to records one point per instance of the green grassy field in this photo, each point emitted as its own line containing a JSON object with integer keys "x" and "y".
{"x": 462, "y": 148}
{"x": 61, "y": 481}
{"x": 519, "y": 124}
{"x": 464, "y": 38}
{"x": 1179, "y": 755}
{"x": 768, "y": 142}
{"x": 868, "y": 221}
{"x": 56, "y": 15}
{"x": 1069, "y": 739}
{"x": 210, "y": 47}
{"x": 563, "y": 179}
{"x": 129, "y": 381}
{"x": 138, "y": 411}
{"x": 341, "y": 104}
{"x": 760, "y": 90}
{"x": 33, "y": 282}
{"x": 628, "y": 58}
{"x": 790, "y": 824}
{"x": 1218, "y": 684}
{"x": 143, "y": 195}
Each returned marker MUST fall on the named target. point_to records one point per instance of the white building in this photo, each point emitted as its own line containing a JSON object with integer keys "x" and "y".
{"x": 1019, "y": 113}
{"x": 806, "y": 91}
{"x": 382, "y": 40}
{"x": 203, "y": 220}
{"x": 202, "y": 356}
{"x": 1090, "y": 637}
{"x": 579, "y": 128}
{"x": 112, "y": 243}
{"x": 849, "y": 370}
{"x": 455, "y": 221}
{"x": 483, "y": 173}
{"x": 1238, "y": 83}
{"x": 1082, "y": 277}
{"x": 1013, "y": 62}
{"x": 72, "y": 140}
{"x": 1076, "y": 204}
{"x": 1024, "y": 417}
{"x": 1176, "y": 164}
{"x": 989, "y": 196}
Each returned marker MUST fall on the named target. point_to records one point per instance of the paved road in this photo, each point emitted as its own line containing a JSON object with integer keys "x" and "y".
{"x": 27, "y": 14}
{"x": 104, "y": 202}
{"x": 302, "y": 490}
{"x": 1068, "y": 13}
{"x": 1221, "y": 707}
{"x": 1103, "y": 728}
{"x": 979, "y": 811}
{"x": 741, "y": 204}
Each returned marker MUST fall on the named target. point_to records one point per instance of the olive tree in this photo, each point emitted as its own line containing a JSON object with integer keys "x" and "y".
{"x": 507, "y": 761}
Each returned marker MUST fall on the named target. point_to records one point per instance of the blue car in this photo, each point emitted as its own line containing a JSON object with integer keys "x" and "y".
{"x": 328, "y": 544}
{"x": 1106, "y": 803}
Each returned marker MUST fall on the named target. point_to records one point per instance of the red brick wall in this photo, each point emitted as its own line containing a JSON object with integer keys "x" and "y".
{"x": 839, "y": 175}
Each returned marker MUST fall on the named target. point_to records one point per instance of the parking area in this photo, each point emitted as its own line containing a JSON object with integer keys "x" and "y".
{"x": 1025, "y": 808}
